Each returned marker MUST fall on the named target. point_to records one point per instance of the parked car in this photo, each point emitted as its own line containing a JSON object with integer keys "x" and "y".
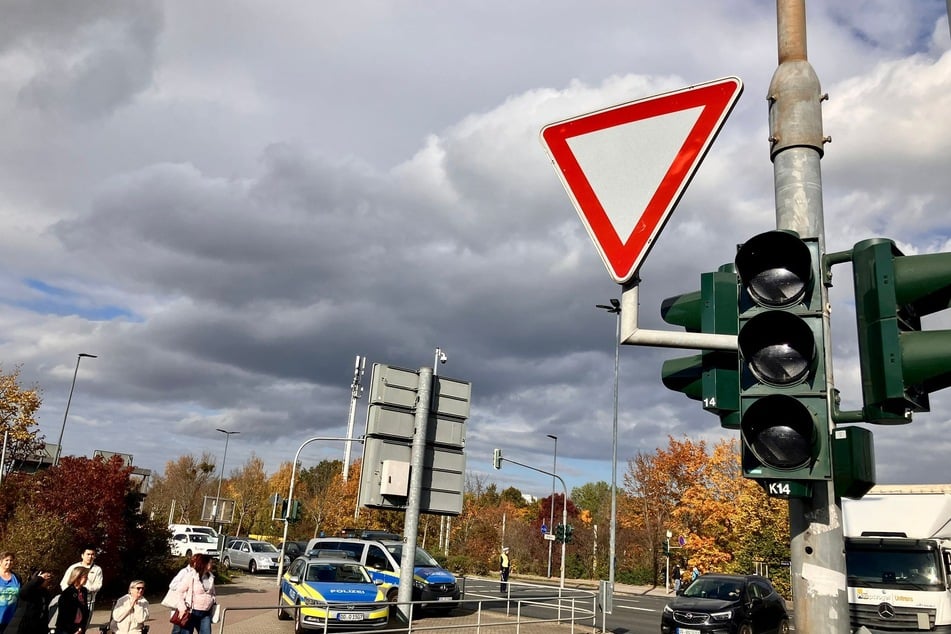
{"x": 193, "y": 528}
{"x": 251, "y": 555}
{"x": 188, "y": 544}
{"x": 292, "y": 550}
{"x": 726, "y": 604}
{"x": 332, "y": 593}
{"x": 431, "y": 583}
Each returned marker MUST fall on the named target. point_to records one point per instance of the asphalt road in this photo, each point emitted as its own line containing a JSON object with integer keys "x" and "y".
{"x": 636, "y": 610}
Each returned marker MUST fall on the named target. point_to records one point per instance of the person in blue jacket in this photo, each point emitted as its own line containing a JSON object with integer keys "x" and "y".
{"x": 9, "y": 589}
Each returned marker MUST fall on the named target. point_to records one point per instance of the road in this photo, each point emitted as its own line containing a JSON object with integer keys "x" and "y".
{"x": 636, "y": 609}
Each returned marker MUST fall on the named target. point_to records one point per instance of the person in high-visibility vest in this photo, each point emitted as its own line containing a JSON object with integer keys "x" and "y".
{"x": 504, "y": 566}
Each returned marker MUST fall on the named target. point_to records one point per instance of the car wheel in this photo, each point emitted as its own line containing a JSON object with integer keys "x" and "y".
{"x": 746, "y": 628}
{"x": 783, "y": 627}
{"x": 227, "y": 563}
{"x": 281, "y": 614}
{"x": 252, "y": 567}
{"x": 299, "y": 621}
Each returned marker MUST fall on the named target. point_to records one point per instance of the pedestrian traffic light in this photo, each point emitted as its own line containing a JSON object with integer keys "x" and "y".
{"x": 784, "y": 422}
{"x": 560, "y": 533}
{"x": 901, "y": 364}
{"x": 712, "y": 376}
{"x": 497, "y": 459}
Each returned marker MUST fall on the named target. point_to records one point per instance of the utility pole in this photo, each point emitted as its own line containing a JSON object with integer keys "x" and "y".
{"x": 796, "y": 147}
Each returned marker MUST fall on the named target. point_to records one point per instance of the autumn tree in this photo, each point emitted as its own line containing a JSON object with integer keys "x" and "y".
{"x": 58, "y": 512}
{"x": 248, "y": 487}
{"x": 179, "y": 493}
{"x": 17, "y": 409}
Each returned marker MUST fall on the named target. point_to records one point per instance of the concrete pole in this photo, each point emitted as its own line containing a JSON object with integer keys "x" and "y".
{"x": 796, "y": 147}
{"x": 356, "y": 390}
{"x": 411, "y": 518}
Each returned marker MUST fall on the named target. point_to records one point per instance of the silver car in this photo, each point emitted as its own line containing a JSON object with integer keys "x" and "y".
{"x": 251, "y": 555}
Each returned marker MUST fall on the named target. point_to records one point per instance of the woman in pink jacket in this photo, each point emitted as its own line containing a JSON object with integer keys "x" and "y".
{"x": 195, "y": 585}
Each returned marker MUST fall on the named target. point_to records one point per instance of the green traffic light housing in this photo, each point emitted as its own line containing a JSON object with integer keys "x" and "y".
{"x": 901, "y": 364}
{"x": 784, "y": 412}
{"x": 497, "y": 459}
{"x": 711, "y": 377}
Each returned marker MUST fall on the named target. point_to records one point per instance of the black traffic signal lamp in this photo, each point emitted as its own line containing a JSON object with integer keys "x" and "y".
{"x": 784, "y": 413}
{"x": 497, "y": 459}
{"x": 560, "y": 533}
{"x": 710, "y": 377}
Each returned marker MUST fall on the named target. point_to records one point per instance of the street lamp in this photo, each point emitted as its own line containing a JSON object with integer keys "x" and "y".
{"x": 614, "y": 308}
{"x": 551, "y": 519}
{"x": 59, "y": 444}
{"x": 215, "y": 511}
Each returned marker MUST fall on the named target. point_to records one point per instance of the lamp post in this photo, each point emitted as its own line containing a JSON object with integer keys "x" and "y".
{"x": 614, "y": 308}
{"x": 551, "y": 519}
{"x": 69, "y": 399}
{"x": 216, "y": 513}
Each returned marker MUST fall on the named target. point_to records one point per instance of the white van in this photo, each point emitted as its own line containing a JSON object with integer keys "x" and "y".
{"x": 193, "y": 528}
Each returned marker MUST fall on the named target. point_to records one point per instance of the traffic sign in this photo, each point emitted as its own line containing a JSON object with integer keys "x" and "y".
{"x": 550, "y": 537}
{"x": 626, "y": 167}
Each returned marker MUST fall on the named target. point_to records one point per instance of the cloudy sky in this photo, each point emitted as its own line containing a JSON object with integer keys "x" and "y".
{"x": 229, "y": 201}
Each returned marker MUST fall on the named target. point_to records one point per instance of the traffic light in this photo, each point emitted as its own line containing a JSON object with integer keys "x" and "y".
{"x": 294, "y": 515}
{"x": 712, "y": 376}
{"x": 568, "y": 531}
{"x": 560, "y": 533}
{"x": 784, "y": 410}
{"x": 901, "y": 364}
{"x": 497, "y": 459}
{"x": 283, "y": 509}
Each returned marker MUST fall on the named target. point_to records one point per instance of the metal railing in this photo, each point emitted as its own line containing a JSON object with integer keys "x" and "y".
{"x": 523, "y": 609}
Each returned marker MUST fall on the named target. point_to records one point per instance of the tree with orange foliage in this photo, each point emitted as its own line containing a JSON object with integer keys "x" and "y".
{"x": 17, "y": 409}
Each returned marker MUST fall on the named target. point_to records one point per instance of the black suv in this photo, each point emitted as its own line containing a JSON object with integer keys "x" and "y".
{"x": 727, "y": 604}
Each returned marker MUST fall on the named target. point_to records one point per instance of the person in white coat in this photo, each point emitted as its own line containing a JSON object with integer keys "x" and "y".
{"x": 93, "y": 580}
{"x": 131, "y": 611}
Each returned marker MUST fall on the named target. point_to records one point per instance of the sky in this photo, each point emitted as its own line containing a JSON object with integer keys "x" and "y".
{"x": 227, "y": 202}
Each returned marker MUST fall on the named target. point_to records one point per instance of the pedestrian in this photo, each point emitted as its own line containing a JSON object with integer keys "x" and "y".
{"x": 9, "y": 589}
{"x": 72, "y": 613}
{"x": 94, "y": 578}
{"x": 195, "y": 588}
{"x": 504, "y": 566}
{"x": 132, "y": 610}
{"x": 678, "y": 577}
{"x": 35, "y": 598}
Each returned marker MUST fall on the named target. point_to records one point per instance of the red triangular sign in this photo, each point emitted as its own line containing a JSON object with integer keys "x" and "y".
{"x": 626, "y": 167}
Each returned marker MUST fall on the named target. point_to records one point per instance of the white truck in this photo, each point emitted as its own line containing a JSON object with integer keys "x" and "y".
{"x": 898, "y": 559}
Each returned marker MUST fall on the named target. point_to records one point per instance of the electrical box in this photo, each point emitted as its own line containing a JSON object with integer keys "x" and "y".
{"x": 394, "y": 478}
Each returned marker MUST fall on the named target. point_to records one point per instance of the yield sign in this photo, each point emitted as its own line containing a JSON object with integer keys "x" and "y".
{"x": 626, "y": 167}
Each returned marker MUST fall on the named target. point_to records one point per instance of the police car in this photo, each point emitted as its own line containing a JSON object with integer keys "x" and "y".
{"x": 333, "y": 592}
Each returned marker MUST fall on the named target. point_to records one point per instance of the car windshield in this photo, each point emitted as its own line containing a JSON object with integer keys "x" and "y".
{"x": 263, "y": 547}
{"x": 201, "y": 538}
{"x": 715, "y": 588}
{"x": 422, "y": 557}
{"x": 337, "y": 573}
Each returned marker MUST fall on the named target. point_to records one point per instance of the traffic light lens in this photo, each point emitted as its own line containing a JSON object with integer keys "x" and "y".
{"x": 776, "y": 268}
{"x": 779, "y": 348}
{"x": 781, "y": 434}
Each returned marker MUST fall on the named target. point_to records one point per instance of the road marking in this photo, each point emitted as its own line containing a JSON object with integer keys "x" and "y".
{"x": 627, "y": 607}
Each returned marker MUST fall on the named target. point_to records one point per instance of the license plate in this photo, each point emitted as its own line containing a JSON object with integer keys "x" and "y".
{"x": 349, "y": 616}
{"x": 685, "y": 630}
{"x": 444, "y": 598}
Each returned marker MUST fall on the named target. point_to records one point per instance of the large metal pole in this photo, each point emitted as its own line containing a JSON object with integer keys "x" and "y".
{"x": 796, "y": 147}
{"x": 615, "y": 308}
{"x": 69, "y": 399}
{"x": 356, "y": 390}
{"x": 216, "y": 512}
{"x": 551, "y": 519}
{"x": 411, "y": 519}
